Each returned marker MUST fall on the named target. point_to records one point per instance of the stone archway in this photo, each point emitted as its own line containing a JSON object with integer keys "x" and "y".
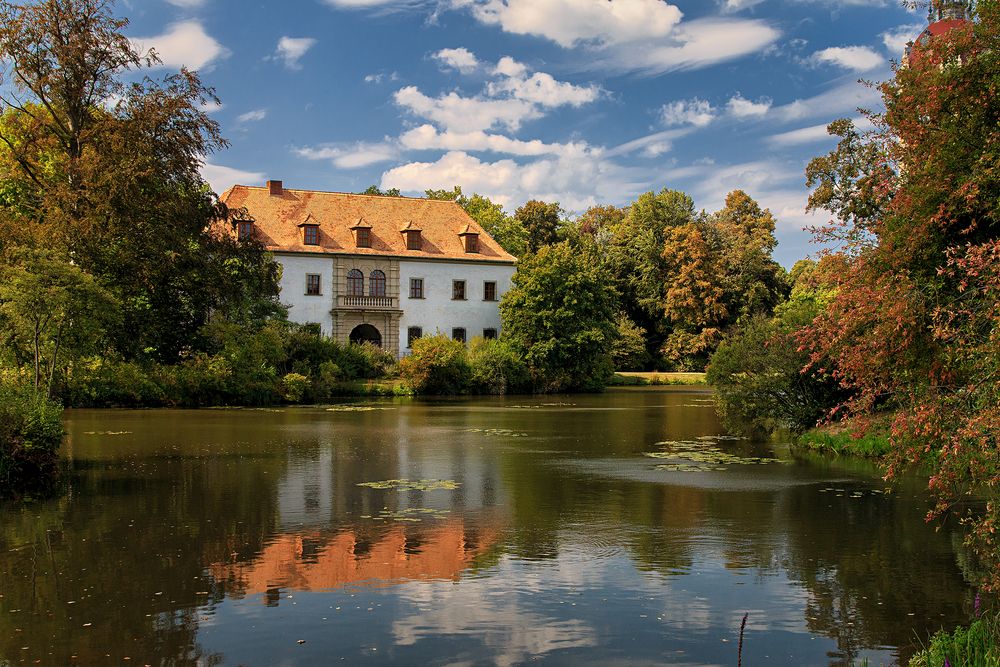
{"x": 366, "y": 333}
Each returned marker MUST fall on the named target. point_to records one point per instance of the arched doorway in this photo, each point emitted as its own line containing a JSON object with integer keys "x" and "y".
{"x": 366, "y": 333}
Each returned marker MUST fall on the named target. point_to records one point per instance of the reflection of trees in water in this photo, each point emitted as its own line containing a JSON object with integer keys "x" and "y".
{"x": 125, "y": 554}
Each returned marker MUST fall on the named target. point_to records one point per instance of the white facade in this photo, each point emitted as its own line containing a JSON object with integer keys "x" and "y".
{"x": 437, "y": 311}
{"x": 304, "y": 308}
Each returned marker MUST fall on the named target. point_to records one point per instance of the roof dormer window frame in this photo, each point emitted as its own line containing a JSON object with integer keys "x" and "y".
{"x": 362, "y": 234}
{"x": 470, "y": 239}
{"x": 413, "y": 235}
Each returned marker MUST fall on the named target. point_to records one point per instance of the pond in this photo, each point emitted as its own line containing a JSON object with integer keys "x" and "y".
{"x": 624, "y": 528}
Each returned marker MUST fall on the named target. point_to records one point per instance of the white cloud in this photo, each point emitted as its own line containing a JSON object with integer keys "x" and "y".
{"x": 652, "y": 145}
{"x": 222, "y": 178}
{"x": 511, "y": 98}
{"x": 427, "y": 137}
{"x": 813, "y": 134}
{"x": 856, "y": 58}
{"x": 187, "y": 4}
{"x": 895, "y": 40}
{"x": 460, "y": 59}
{"x": 629, "y": 35}
{"x": 540, "y": 88}
{"x": 573, "y": 22}
{"x": 842, "y": 99}
{"x": 254, "y": 116}
{"x": 737, "y": 5}
{"x": 574, "y": 182}
{"x": 355, "y": 156}
{"x": 695, "y": 112}
{"x": 466, "y": 114}
{"x": 291, "y": 49}
{"x": 740, "y": 107}
{"x": 184, "y": 44}
{"x": 211, "y": 107}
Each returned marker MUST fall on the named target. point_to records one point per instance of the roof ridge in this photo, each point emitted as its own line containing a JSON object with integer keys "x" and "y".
{"x": 349, "y": 194}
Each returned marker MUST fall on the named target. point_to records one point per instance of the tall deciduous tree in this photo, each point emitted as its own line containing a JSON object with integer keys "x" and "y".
{"x": 561, "y": 311}
{"x": 51, "y": 310}
{"x": 541, "y": 221}
{"x": 913, "y": 328}
{"x": 108, "y": 171}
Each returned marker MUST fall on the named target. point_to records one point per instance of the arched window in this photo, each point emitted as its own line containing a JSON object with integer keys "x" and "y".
{"x": 376, "y": 283}
{"x": 355, "y": 283}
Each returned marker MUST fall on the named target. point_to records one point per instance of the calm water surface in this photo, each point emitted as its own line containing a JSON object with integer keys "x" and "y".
{"x": 543, "y": 532}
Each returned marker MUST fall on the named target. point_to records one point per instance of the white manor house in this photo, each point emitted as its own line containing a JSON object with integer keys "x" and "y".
{"x": 381, "y": 269}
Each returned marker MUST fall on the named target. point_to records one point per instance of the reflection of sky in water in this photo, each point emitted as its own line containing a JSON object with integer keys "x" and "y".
{"x": 572, "y": 610}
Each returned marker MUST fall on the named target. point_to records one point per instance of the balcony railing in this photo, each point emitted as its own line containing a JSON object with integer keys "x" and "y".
{"x": 375, "y": 302}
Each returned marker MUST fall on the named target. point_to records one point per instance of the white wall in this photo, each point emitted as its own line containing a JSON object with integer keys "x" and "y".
{"x": 437, "y": 311}
{"x": 303, "y": 308}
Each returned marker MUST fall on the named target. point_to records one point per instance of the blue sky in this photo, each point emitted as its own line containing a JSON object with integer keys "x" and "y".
{"x": 578, "y": 101}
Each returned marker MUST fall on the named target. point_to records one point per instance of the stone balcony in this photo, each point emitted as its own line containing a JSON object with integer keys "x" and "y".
{"x": 367, "y": 302}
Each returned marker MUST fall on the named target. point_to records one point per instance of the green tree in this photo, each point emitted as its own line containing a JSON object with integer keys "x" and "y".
{"x": 561, "y": 311}
{"x": 390, "y": 192}
{"x": 628, "y": 350}
{"x": 541, "y": 222}
{"x": 52, "y": 310}
{"x": 117, "y": 187}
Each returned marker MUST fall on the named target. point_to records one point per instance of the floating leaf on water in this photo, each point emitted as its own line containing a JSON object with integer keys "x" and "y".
{"x": 413, "y": 485}
{"x": 410, "y": 515}
{"x": 504, "y": 432}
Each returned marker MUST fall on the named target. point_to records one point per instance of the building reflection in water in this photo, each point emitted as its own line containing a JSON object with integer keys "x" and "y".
{"x": 376, "y": 557}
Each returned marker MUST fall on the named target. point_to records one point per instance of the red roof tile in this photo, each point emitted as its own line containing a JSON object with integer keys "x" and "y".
{"x": 277, "y": 220}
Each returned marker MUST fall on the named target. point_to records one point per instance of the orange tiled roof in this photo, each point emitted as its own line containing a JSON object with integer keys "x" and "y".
{"x": 277, "y": 220}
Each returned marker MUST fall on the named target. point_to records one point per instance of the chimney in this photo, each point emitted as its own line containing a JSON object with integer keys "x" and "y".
{"x": 274, "y": 188}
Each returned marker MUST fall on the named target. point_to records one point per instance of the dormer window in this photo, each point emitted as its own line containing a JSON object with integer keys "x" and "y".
{"x": 413, "y": 238}
{"x": 310, "y": 234}
{"x": 244, "y": 230}
{"x": 362, "y": 234}
{"x": 470, "y": 239}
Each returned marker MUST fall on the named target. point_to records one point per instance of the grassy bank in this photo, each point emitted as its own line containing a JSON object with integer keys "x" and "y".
{"x": 842, "y": 441}
{"x": 626, "y": 379}
{"x": 977, "y": 645}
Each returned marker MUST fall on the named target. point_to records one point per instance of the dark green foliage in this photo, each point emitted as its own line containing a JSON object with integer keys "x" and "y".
{"x": 561, "y": 311}
{"x": 243, "y": 366}
{"x": 759, "y": 375}
{"x": 497, "y": 368}
{"x": 31, "y": 431}
{"x": 541, "y": 222}
{"x": 628, "y": 350}
{"x": 437, "y": 365}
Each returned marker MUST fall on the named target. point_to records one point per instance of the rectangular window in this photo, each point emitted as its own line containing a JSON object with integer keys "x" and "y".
{"x": 472, "y": 243}
{"x": 364, "y": 238}
{"x": 458, "y": 290}
{"x": 312, "y": 284}
{"x": 416, "y": 288}
{"x": 458, "y": 334}
{"x": 310, "y": 235}
{"x": 244, "y": 230}
{"x": 489, "y": 291}
{"x": 413, "y": 240}
{"x": 489, "y": 334}
{"x": 412, "y": 334}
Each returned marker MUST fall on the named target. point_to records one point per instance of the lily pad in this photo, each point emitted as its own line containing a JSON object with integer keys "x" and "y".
{"x": 413, "y": 485}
